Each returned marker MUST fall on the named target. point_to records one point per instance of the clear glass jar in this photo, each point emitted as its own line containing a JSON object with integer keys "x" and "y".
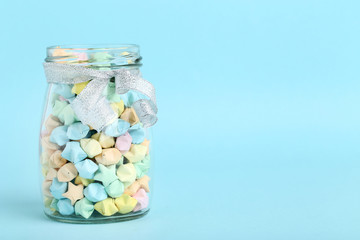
{"x": 88, "y": 175}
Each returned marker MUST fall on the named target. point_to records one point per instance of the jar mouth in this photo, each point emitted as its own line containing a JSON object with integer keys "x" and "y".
{"x": 95, "y": 55}
{"x": 96, "y": 47}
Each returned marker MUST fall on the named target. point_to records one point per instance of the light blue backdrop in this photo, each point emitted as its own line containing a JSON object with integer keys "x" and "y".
{"x": 259, "y": 123}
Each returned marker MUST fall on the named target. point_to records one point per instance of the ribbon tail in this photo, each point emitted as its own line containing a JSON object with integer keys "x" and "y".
{"x": 145, "y": 108}
{"x": 91, "y": 107}
{"x": 145, "y": 112}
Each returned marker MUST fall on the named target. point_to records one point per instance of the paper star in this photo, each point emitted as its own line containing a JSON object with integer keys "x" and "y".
{"x": 59, "y": 136}
{"x": 137, "y": 153}
{"x": 86, "y": 168}
{"x": 142, "y": 167}
{"x": 58, "y": 108}
{"x": 126, "y": 173}
{"x": 78, "y": 87}
{"x": 67, "y": 172}
{"x": 73, "y": 152}
{"x": 144, "y": 183}
{"x": 146, "y": 143}
{"x": 77, "y": 131}
{"x": 109, "y": 156}
{"x": 63, "y": 90}
{"x": 84, "y": 208}
{"x": 115, "y": 189}
{"x": 52, "y": 122}
{"x": 53, "y": 205}
{"x": 106, "y": 207}
{"x": 137, "y": 133}
{"x": 74, "y": 192}
{"x": 95, "y": 192}
{"x": 83, "y": 181}
{"x": 125, "y": 203}
{"x": 52, "y": 173}
{"x": 133, "y": 188}
{"x": 130, "y": 116}
{"x": 118, "y": 107}
{"x": 57, "y": 188}
{"x": 117, "y": 128}
{"x": 142, "y": 200}
{"x": 131, "y": 96}
{"x": 91, "y": 147}
{"x": 111, "y": 94}
{"x": 67, "y": 115}
{"x": 46, "y": 188}
{"x": 138, "y": 184}
{"x": 106, "y": 175}
{"x": 65, "y": 207}
{"x": 48, "y": 145}
{"x": 56, "y": 161}
{"x": 104, "y": 140}
{"x": 123, "y": 143}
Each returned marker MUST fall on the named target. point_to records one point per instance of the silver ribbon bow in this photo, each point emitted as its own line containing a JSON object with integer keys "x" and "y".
{"x": 90, "y": 106}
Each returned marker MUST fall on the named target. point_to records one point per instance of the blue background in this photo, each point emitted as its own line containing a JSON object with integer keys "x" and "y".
{"x": 259, "y": 123}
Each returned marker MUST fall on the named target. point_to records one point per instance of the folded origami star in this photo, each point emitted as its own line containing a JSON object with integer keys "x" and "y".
{"x": 73, "y": 152}
{"x": 126, "y": 173}
{"x": 91, "y": 147}
{"x": 117, "y": 128}
{"x": 106, "y": 175}
{"x": 115, "y": 189}
{"x": 84, "y": 208}
{"x": 109, "y": 156}
{"x": 77, "y": 131}
{"x": 123, "y": 143}
{"x": 59, "y": 136}
{"x": 95, "y": 192}
{"x": 74, "y": 192}
{"x": 58, "y": 188}
{"x": 86, "y": 168}
{"x": 137, "y": 133}
{"x": 106, "y": 207}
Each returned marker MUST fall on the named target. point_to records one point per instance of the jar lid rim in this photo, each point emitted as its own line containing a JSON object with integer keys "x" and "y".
{"x": 94, "y": 46}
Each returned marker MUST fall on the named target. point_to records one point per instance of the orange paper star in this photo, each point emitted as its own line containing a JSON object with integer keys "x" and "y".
{"x": 144, "y": 183}
{"x": 74, "y": 193}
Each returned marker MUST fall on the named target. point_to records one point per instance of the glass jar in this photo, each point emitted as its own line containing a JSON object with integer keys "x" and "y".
{"x": 95, "y": 134}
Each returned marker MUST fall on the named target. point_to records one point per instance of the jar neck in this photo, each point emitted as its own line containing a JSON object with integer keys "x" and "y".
{"x": 96, "y": 56}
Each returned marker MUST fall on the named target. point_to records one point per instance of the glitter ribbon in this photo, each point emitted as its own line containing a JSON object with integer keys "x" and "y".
{"x": 91, "y": 106}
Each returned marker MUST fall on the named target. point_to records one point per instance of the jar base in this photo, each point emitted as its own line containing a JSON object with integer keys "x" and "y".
{"x": 97, "y": 219}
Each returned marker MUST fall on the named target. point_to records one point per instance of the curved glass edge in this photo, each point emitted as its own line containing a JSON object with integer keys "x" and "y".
{"x": 96, "y": 220}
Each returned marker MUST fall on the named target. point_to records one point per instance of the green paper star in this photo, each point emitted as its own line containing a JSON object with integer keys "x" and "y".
{"x": 64, "y": 112}
{"x": 142, "y": 167}
{"x": 111, "y": 94}
{"x": 84, "y": 208}
{"x": 53, "y": 204}
{"x": 106, "y": 175}
{"x": 67, "y": 115}
{"x": 58, "y": 107}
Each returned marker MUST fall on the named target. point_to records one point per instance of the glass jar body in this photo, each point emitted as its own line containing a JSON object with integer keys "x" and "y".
{"x": 89, "y": 175}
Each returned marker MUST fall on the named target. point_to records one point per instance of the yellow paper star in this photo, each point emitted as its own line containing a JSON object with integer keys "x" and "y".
{"x": 118, "y": 107}
{"x": 146, "y": 143}
{"x": 83, "y": 181}
{"x": 78, "y": 87}
{"x": 74, "y": 193}
{"x": 106, "y": 207}
{"x": 125, "y": 203}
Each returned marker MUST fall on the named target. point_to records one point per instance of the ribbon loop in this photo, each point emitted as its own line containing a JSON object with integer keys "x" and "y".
{"x": 90, "y": 106}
